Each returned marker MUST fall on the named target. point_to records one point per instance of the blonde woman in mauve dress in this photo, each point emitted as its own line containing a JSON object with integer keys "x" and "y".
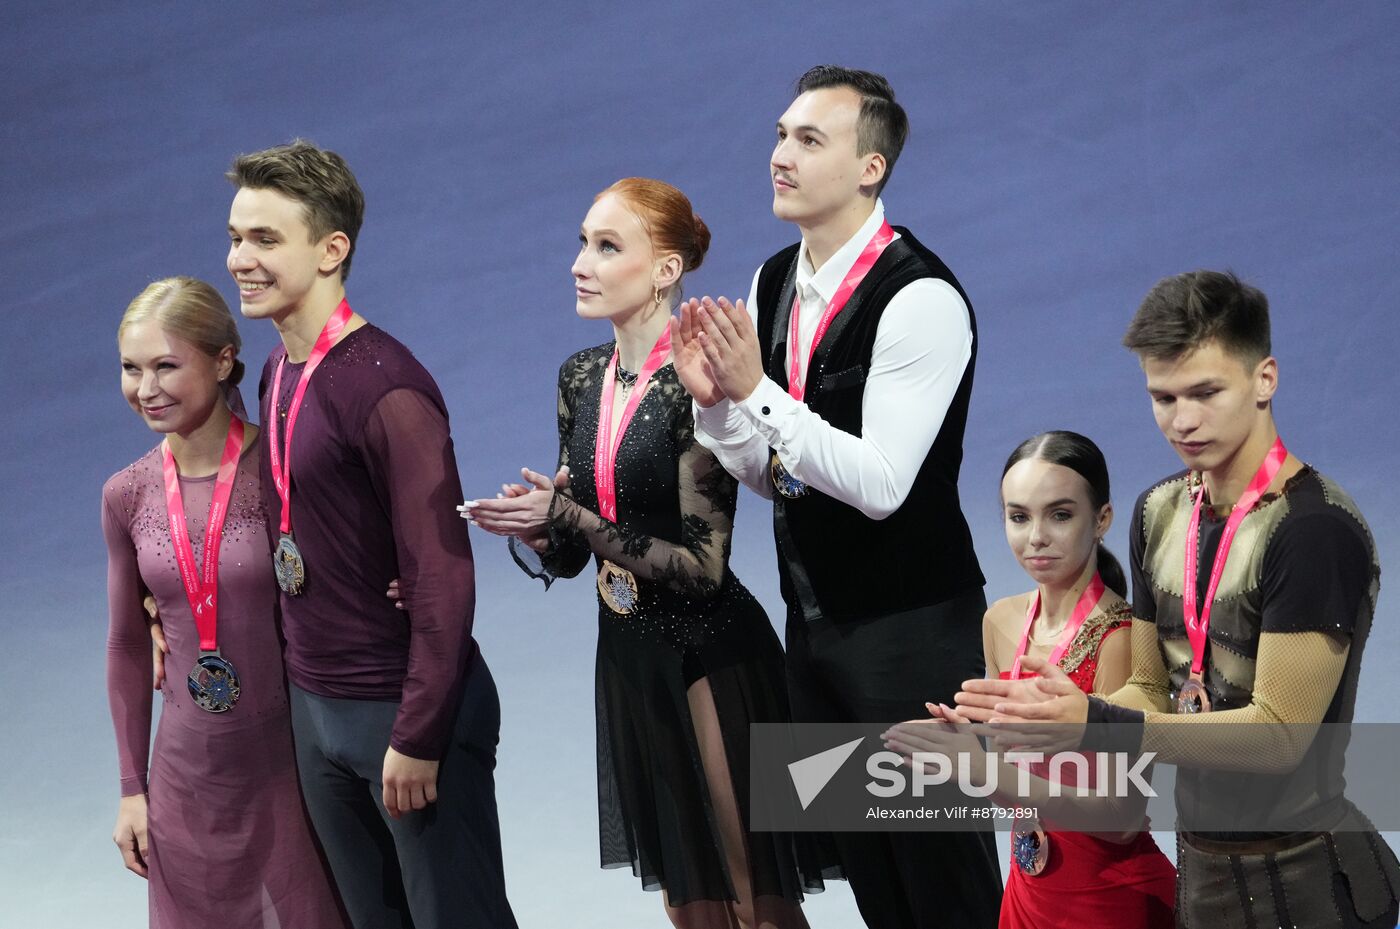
{"x": 213, "y": 818}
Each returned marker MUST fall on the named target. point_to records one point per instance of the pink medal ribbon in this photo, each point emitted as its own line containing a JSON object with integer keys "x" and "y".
{"x": 1198, "y": 626}
{"x": 282, "y": 462}
{"x": 1082, "y": 608}
{"x": 797, "y": 366}
{"x": 1030, "y": 844}
{"x": 213, "y": 683}
{"x": 606, "y": 446}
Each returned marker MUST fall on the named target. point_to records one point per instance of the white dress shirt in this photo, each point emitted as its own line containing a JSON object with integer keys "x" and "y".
{"x": 922, "y": 347}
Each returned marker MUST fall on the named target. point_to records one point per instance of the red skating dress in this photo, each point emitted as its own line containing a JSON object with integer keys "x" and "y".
{"x": 1088, "y": 882}
{"x": 230, "y": 841}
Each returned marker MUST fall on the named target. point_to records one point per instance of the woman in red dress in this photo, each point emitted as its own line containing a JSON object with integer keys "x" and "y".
{"x": 1055, "y": 503}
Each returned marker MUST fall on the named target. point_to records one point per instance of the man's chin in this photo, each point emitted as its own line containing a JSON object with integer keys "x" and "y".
{"x": 785, "y": 210}
{"x": 256, "y": 310}
{"x": 1199, "y": 461}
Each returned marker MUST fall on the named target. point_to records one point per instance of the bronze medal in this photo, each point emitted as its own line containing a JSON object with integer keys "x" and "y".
{"x": 1192, "y": 698}
{"x": 288, "y": 565}
{"x": 618, "y": 588}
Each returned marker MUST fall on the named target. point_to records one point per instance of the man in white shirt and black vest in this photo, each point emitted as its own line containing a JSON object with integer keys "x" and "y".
{"x": 840, "y": 390}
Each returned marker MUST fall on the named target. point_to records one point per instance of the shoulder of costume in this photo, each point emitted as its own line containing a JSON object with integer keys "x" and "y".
{"x": 584, "y": 357}
{"x": 1171, "y": 484}
{"x": 1312, "y": 496}
{"x": 124, "y": 477}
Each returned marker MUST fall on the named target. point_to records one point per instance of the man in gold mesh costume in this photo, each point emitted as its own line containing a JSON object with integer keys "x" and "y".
{"x": 1255, "y": 580}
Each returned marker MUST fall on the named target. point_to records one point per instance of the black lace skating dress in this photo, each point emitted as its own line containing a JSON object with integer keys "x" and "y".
{"x": 692, "y": 620}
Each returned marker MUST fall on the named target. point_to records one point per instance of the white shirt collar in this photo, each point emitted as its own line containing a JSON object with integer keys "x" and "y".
{"x": 825, "y": 281}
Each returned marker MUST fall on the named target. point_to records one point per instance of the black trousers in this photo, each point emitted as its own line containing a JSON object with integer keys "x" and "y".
{"x": 882, "y": 670}
{"x": 432, "y": 869}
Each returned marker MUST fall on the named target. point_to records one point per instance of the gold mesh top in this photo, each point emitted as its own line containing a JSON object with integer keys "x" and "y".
{"x": 1287, "y": 630}
{"x": 1306, "y": 517}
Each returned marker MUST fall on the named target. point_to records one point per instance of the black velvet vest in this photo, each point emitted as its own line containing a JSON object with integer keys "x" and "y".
{"x": 836, "y": 562}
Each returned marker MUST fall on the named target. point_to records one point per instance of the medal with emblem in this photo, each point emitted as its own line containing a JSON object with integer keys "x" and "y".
{"x": 287, "y": 564}
{"x": 213, "y": 683}
{"x": 1030, "y": 846}
{"x": 783, "y": 481}
{"x": 618, "y": 588}
{"x": 1192, "y": 698}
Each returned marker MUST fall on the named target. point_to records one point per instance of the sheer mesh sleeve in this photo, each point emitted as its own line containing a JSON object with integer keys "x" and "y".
{"x": 1149, "y": 686}
{"x": 1295, "y": 680}
{"x": 129, "y": 691}
{"x": 695, "y": 566}
{"x": 1115, "y": 660}
{"x": 408, "y": 452}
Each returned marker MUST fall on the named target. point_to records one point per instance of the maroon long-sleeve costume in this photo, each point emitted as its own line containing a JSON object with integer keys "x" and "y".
{"x": 374, "y": 497}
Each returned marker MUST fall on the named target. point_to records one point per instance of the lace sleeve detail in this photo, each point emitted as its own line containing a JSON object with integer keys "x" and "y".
{"x": 568, "y": 550}
{"x": 695, "y": 566}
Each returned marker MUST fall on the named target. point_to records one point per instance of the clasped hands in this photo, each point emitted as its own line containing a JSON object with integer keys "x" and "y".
{"x": 1019, "y": 715}
{"x": 521, "y": 510}
{"x": 714, "y": 347}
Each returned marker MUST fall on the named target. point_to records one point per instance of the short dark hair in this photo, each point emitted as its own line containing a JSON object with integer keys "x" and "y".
{"x": 1083, "y": 457}
{"x": 317, "y": 178}
{"x": 1184, "y": 312}
{"x": 882, "y": 126}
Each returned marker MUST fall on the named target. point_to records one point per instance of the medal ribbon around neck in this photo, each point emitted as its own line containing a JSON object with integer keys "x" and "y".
{"x": 1082, "y": 608}
{"x": 605, "y": 449}
{"x": 797, "y": 369}
{"x": 282, "y": 461}
{"x": 1198, "y": 626}
{"x": 202, "y": 584}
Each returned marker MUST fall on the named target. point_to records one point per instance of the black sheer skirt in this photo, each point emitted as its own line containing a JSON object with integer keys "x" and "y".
{"x": 654, "y": 810}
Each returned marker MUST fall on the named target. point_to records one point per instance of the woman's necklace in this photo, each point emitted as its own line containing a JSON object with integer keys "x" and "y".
{"x": 626, "y": 379}
{"x": 1046, "y": 636}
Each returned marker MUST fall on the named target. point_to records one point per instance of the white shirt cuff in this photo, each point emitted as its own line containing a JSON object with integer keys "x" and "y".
{"x": 721, "y": 421}
{"x": 772, "y": 411}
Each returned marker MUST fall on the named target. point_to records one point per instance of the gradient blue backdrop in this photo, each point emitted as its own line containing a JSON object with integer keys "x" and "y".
{"x": 1064, "y": 157}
